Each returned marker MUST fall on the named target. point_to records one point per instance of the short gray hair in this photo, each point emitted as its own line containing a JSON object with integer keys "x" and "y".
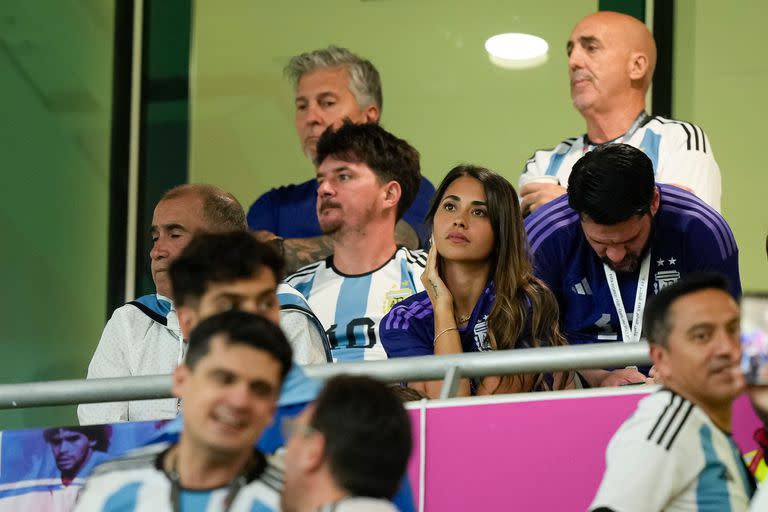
{"x": 364, "y": 80}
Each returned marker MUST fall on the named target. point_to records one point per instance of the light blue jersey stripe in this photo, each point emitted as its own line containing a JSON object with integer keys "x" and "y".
{"x": 260, "y": 507}
{"x": 406, "y": 278}
{"x": 712, "y": 488}
{"x": 350, "y": 320}
{"x": 124, "y": 499}
{"x": 650, "y": 146}
{"x": 305, "y": 287}
{"x": 195, "y": 500}
{"x": 555, "y": 162}
{"x": 745, "y": 479}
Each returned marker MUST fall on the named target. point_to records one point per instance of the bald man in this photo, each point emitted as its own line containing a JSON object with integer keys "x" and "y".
{"x": 611, "y": 58}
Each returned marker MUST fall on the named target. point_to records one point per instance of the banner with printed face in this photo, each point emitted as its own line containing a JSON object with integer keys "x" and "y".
{"x": 44, "y": 469}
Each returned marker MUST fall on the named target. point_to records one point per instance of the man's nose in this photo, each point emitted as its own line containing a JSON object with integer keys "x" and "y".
{"x": 159, "y": 249}
{"x": 249, "y": 306}
{"x": 616, "y": 253}
{"x": 314, "y": 114}
{"x": 239, "y": 395}
{"x": 324, "y": 189}
{"x": 727, "y": 344}
{"x": 575, "y": 59}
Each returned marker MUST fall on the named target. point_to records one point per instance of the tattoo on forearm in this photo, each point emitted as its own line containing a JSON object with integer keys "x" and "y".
{"x": 435, "y": 289}
{"x": 303, "y": 251}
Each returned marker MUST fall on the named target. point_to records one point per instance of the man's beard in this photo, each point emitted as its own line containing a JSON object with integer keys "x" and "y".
{"x": 351, "y": 222}
{"x": 630, "y": 263}
{"x": 329, "y": 227}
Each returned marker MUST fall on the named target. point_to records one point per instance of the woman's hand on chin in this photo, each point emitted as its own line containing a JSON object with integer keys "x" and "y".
{"x": 438, "y": 292}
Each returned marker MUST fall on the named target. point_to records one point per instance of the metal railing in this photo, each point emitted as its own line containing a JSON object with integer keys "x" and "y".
{"x": 450, "y": 369}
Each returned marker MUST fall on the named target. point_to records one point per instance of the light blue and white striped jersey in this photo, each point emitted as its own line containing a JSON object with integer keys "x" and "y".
{"x": 351, "y": 307}
{"x": 136, "y": 483}
{"x": 670, "y": 456}
{"x": 680, "y": 153}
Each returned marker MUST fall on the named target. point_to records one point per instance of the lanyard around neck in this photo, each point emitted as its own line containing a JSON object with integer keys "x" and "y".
{"x": 630, "y": 333}
{"x": 232, "y": 490}
{"x": 640, "y": 120}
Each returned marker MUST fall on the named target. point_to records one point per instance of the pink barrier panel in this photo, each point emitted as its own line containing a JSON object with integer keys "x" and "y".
{"x": 545, "y": 454}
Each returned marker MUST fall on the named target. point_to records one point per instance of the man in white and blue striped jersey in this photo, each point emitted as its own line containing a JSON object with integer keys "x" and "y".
{"x": 229, "y": 384}
{"x": 611, "y": 58}
{"x": 675, "y": 453}
{"x": 367, "y": 178}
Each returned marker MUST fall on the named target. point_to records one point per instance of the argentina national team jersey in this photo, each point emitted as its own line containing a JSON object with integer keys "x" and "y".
{"x": 680, "y": 152}
{"x": 670, "y": 456}
{"x": 351, "y": 307}
{"x": 687, "y": 236}
{"x": 137, "y": 483}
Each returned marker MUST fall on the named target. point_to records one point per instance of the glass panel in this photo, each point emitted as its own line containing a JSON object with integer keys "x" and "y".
{"x": 55, "y": 96}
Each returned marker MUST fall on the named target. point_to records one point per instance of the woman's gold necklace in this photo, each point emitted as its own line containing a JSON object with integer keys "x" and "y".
{"x": 462, "y": 319}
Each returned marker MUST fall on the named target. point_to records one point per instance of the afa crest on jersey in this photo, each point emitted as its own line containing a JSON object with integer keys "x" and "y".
{"x": 396, "y": 294}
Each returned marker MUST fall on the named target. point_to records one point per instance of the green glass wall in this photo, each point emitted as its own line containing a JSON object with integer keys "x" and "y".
{"x": 720, "y": 83}
{"x": 55, "y": 99}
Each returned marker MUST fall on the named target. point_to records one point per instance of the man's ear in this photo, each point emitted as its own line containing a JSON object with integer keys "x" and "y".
{"x": 638, "y": 66}
{"x": 659, "y": 358}
{"x": 179, "y": 379}
{"x": 314, "y": 451}
{"x": 371, "y": 114}
{"x": 392, "y": 193}
{"x": 188, "y": 319}
{"x": 655, "y": 201}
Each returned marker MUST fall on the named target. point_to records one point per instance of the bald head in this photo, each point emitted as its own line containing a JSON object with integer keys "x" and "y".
{"x": 614, "y": 54}
{"x": 628, "y": 32}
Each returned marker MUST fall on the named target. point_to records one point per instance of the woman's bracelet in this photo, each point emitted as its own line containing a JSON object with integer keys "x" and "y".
{"x": 443, "y": 332}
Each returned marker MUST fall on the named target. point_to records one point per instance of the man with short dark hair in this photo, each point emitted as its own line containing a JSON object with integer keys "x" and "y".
{"x": 331, "y": 85}
{"x": 675, "y": 452}
{"x": 617, "y": 238}
{"x": 228, "y": 385}
{"x": 326, "y": 465}
{"x": 366, "y": 180}
{"x": 218, "y": 272}
{"x": 77, "y": 449}
{"x": 611, "y": 58}
{"x": 144, "y": 337}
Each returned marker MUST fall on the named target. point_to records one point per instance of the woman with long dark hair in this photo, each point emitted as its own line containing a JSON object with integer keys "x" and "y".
{"x": 481, "y": 293}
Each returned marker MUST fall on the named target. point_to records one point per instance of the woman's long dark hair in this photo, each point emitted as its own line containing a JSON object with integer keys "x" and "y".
{"x": 512, "y": 273}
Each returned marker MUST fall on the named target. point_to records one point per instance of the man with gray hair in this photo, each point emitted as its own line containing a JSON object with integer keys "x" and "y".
{"x": 331, "y": 85}
{"x": 144, "y": 336}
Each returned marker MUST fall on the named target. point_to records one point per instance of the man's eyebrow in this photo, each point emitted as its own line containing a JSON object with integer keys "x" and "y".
{"x": 321, "y": 95}
{"x": 585, "y": 40}
{"x": 168, "y": 227}
{"x": 700, "y": 325}
{"x": 335, "y": 170}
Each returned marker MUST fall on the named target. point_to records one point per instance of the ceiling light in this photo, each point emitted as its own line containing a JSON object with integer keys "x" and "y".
{"x": 516, "y": 51}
